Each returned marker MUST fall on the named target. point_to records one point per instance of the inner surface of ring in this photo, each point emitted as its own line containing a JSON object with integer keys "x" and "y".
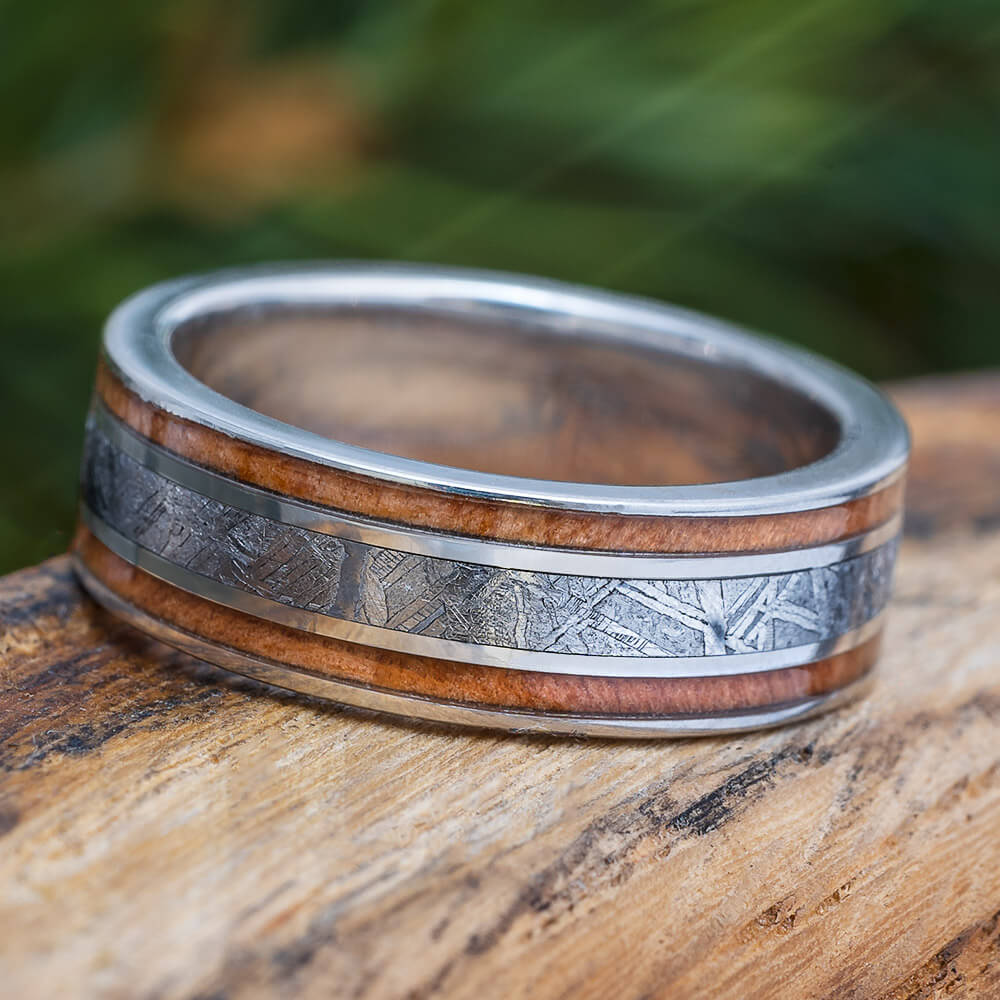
{"x": 517, "y": 400}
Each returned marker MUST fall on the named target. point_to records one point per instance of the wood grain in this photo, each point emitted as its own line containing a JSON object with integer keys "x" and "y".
{"x": 448, "y": 680}
{"x": 507, "y": 399}
{"x": 168, "y": 832}
{"x": 292, "y": 476}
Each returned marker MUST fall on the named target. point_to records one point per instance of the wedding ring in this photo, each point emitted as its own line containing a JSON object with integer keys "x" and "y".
{"x": 491, "y": 500}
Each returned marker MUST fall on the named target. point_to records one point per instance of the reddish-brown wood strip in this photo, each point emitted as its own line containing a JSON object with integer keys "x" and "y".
{"x": 459, "y": 682}
{"x": 485, "y": 519}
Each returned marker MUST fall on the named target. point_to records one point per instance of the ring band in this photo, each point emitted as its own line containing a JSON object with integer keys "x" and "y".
{"x": 490, "y": 500}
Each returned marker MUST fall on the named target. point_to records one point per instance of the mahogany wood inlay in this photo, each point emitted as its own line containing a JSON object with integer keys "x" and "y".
{"x": 502, "y": 521}
{"x": 507, "y": 399}
{"x": 450, "y": 681}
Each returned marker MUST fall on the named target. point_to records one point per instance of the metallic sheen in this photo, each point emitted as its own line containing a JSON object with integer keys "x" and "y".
{"x": 449, "y": 713}
{"x": 479, "y": 601}
{"x": 872, "y": 451}
{"x": 550, "y": 622}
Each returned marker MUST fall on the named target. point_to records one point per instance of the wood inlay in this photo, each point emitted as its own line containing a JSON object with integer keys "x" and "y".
{"x": 450, "y": 681}
{"x": 424, "y": 508}
{"x": 505, "y": 398}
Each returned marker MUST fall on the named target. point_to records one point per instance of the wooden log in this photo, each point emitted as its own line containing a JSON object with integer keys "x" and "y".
{"x": 170, "y": 831}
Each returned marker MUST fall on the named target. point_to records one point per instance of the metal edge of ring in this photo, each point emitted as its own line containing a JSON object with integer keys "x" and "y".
{"x": 872, "y": 452}
{"x": 453, "y": 713}
{"x": 463, "y": 652}
{"x": 314, "y": 517}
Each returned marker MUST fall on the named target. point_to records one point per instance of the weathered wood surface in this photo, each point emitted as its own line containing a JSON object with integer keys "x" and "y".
{"x": 169, "y": 832}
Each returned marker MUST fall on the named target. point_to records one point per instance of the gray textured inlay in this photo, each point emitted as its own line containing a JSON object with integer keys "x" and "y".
{"x": 465, "y": 602}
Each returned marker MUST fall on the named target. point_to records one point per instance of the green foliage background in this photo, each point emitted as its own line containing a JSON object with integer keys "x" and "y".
{"x": 826, "y": 171}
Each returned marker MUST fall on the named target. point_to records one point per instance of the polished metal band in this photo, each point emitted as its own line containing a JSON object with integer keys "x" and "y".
{"x": 653, "y": 618}
{"x": 480, "y": 601}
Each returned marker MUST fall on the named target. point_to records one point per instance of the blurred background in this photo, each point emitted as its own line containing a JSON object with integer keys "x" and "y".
{"x": 824, "y": 171}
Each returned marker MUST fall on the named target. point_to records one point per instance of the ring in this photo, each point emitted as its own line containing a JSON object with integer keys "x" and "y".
{"x": 484, "y": 499}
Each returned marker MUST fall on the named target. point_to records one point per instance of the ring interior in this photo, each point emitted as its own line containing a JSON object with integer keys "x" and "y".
{"x": 519, "y": 399}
